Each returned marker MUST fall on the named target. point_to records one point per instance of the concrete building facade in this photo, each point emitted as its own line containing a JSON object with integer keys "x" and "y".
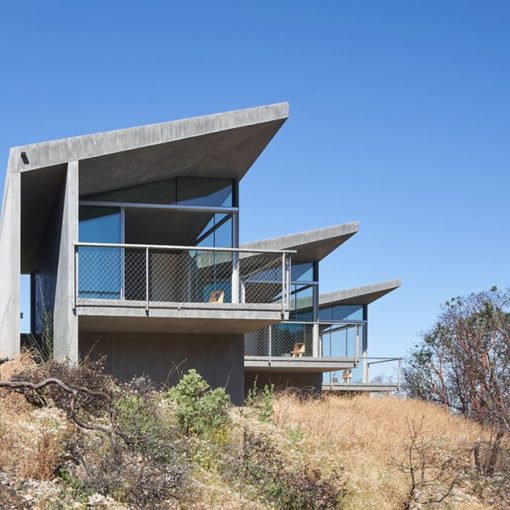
{"x": 131, "y": 241}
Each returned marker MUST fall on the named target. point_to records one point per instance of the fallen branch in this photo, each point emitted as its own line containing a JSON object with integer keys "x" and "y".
{"x": 74, "y": 392}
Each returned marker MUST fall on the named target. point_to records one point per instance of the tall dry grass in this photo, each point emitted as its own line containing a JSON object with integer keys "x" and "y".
{"x": 366, "y": 437}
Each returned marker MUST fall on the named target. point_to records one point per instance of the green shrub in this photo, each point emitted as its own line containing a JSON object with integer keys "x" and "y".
{"x": 261, "y": 401}
{"x": 200, "y": 410}
{"x": 275, "y": 482}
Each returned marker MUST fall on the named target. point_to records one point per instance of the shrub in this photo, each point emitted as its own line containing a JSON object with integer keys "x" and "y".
{"x": 261, "y": 401}
{"x": 276, "y": 483}
{"x": 199, "y": 410}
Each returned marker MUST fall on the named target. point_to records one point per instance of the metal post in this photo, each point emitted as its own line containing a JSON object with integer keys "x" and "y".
{"x": 75, "y": 276}
{"x": 399, "y": 366}
{"x": 235, "y": 259}
{"x": 284, "y": 281}
{"x": 147, "y": 280}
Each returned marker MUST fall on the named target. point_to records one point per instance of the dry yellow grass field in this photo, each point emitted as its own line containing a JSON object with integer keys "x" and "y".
{"x": 367, "y": 437}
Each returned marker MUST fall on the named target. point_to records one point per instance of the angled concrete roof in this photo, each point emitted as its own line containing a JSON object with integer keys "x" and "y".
{"x": 223, "y": 145}
{"x": 311, "y": 245}
{"x": 359, "y": 295}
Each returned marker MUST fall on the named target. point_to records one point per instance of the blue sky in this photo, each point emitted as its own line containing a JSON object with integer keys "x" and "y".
{"x": 399, "y": 118}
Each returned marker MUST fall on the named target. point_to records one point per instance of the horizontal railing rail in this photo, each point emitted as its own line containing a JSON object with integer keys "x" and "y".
{"x": 294, "y": 339}
{"x": 389, "y": 376}
{"x": 143, "y": 275}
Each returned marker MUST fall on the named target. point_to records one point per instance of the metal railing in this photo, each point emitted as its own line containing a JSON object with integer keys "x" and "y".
{"x": 305, "y": 339}
{"x": 145, "y": 274}
{"x": 364, "y": 374}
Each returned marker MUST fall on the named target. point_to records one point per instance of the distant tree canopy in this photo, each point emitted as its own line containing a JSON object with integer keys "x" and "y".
{"x": 463, "y": 361}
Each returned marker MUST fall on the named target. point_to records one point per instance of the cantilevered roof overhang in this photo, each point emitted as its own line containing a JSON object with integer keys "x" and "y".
{"x": 311, "y": 245}
{"x": 223, "y": 145}
{"x": 359, "y": 295}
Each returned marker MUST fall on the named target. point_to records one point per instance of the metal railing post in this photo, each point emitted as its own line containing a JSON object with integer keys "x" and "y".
{"x": 75, "y": 293}
{"x": 399, "y": 366}
{"x": 147, "y": 297}
{"x": 284, "y": 282}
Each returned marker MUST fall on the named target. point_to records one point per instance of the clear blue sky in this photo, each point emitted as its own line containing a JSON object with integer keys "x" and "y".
{"x": 400, "y": 116}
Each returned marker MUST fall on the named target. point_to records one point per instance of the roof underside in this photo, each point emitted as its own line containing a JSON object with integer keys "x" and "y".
{"x": 223, "y": 145}
{"x": 358, "y": 296}
{"x": 311, "y": 245}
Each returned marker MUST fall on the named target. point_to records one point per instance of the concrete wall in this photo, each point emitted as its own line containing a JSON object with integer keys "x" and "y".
{"x": 65, "y": 321}
{"x": 164, "y": 357}
{"x": 306, "y": 382}
{"x": 10, "y": 246}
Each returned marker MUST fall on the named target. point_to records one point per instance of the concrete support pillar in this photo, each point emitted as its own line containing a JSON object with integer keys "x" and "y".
{"x": 316, "y": 350}
{"x": 364, "y": 353}
{"x": 10, "y": 246}
{"x": 65, "y": 320}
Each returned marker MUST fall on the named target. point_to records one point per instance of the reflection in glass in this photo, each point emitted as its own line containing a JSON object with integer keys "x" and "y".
{"x": 99, "y": 273}
{"x": 341, "y": 313}
{"x": 160, "y": 192}
{"x": 204, "y": 192}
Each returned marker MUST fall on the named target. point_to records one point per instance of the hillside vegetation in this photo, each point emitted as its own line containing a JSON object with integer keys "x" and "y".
{"x": 187, "y": 448}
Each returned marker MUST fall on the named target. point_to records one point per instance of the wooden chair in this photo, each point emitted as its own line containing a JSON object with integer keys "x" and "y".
{"x": 346, "y": 376}
{"x": 216, "y": 296}
{"x": 299, "y": 350}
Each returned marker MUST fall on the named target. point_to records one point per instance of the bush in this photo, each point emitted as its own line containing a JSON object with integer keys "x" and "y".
{"x": 199, "y": 410}
{"x": 276, "y": 483}
{"x": 261, "y": 401}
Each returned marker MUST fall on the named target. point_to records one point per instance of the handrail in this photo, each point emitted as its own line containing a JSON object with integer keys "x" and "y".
{"x": 185, "y": 248}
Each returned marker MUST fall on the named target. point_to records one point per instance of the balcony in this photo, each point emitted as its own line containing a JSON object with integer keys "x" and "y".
{"x": 118, "y": 287}
{"x": 373, "y": 374}
{"x": 303, "y": 347}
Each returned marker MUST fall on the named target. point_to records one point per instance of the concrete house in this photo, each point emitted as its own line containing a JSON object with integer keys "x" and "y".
{"x": 131, "y": 241}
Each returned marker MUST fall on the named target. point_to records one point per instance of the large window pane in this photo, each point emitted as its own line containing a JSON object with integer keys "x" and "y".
{"x": 301, "y": 302}
{"x": 204, "y": 192}
{"x": 160, "y": 192}
{"x": 99, "y": 275}
{"x": 341, "y": 313}
{"x": 302, "y": 272}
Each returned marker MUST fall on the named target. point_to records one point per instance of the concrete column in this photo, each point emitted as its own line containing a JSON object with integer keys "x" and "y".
{"x": 364, "y": 352}
{"x": 10, "y": 246}
{"x": 65, "y": 320}
{"x": 316, "y": 341}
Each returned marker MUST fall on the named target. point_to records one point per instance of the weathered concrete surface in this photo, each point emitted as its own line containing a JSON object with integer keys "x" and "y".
{"x": 10, "y": 263}
{"x": 359, "y": 295}
{"x": 56, "y": 152}
{"x": 311, "y": 245}
{"x": 64, "y": 319}
{"x": 164, "y": 357}
{"x": 306, "y": 382}
{"x": 293, "y": 365}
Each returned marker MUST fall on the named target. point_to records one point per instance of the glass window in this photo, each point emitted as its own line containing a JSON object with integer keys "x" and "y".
{"x": 217, "y": 233}
{"x": 99, "y": 224}
{"x": 99, "y": 273}
{"x": 302, "y": 272}
{"x": 301, "y": 302}
{"x": 205, "y": 192}
{"x": 341, "y": 313}
{"x": 160, "y": 192}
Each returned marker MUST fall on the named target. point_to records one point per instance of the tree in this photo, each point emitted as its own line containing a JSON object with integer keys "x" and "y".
{"x": 463, "y": 361}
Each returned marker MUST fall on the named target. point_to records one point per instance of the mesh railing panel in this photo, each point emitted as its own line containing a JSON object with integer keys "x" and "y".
{"x": 170, "y": 275}
{"x": 289, "y": 339}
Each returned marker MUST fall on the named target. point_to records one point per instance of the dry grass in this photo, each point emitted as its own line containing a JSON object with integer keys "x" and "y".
{"x": 366, "y": 436}
{"x": 31, "y": 440}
